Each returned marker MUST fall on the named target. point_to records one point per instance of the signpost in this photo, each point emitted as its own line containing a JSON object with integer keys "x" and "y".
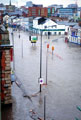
{"x": 41, "y": 80}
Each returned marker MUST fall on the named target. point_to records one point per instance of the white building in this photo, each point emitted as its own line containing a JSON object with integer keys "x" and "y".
{"x": 75, "y": 34}
{"x": 47, "y": 26}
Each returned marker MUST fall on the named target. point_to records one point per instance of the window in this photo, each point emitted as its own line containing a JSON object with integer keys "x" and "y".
{"x": 39, "y": 12}
{"x": 52, "y": 10}
{"x": 49, "y": 10}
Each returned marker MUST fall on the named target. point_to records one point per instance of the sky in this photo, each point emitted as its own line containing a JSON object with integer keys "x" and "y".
{"x": 44, "y": 2}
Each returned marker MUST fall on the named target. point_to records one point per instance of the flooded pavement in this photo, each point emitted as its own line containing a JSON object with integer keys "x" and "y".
{"x": 63, "y": 92}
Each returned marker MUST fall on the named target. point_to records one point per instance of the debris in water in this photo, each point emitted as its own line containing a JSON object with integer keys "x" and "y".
{"x": 34, "y": 115}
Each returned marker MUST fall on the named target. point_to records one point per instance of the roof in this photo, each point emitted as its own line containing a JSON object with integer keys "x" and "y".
{"x": 77, "y": 27}
{"x": 37, "y": 18}
{"x": 13, "y": 17}
{"x": 66, "y": 23}
{"x": 42, "y": 21}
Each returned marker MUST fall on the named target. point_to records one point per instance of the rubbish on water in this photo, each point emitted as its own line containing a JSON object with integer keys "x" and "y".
{"x": 34, "y": 115}
{"x": 35, "y": 94}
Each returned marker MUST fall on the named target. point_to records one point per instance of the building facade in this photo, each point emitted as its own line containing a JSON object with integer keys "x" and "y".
{"x": 66, "y": 12}
{"x": 44, "y": 12}
{"x": 41, "y": 11}
{"x": 34, "y": 11}
{"x": 74, "y": 35}
{"x": 72, "y": 6}
{"x": 56, "y": 6}
{"x": 48, "y": 26}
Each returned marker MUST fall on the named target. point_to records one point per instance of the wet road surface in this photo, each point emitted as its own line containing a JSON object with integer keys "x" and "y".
{"x": 63, "y": 92}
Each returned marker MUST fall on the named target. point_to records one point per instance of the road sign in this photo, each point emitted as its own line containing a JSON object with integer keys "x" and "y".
{"x": 34, "y": 39}
{"x": 41, "y": 81}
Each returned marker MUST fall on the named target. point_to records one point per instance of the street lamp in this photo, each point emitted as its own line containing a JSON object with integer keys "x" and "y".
{"x": 40, "y": 58}
{"x": 13, "y": 46}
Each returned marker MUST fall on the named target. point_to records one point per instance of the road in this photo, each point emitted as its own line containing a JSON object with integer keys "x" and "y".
{"x": 63, "y": 91}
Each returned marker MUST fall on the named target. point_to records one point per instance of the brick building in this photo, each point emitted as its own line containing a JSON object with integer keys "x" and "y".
{"x": 34, "y": 11}
{"x": 44, "y": 12}
{"x": 41, "y": 11}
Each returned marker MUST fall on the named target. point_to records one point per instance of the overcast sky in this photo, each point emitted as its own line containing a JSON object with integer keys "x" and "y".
{"x": 44, "y": 2}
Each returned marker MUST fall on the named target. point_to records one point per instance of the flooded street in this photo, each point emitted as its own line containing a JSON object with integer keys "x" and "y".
{"x": 63, "y": 91}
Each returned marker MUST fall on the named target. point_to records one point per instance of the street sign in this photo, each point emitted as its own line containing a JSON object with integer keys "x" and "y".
{"x": 41, "y": 81}
{"x": 34, "y": 39}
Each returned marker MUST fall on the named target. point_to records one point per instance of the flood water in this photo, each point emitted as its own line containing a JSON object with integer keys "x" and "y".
{"x": 63, "y": 89}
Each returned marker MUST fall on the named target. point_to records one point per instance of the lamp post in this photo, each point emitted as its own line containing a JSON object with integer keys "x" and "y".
{"x": 13, "y": 47}
{"x": 40, "y": 59}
